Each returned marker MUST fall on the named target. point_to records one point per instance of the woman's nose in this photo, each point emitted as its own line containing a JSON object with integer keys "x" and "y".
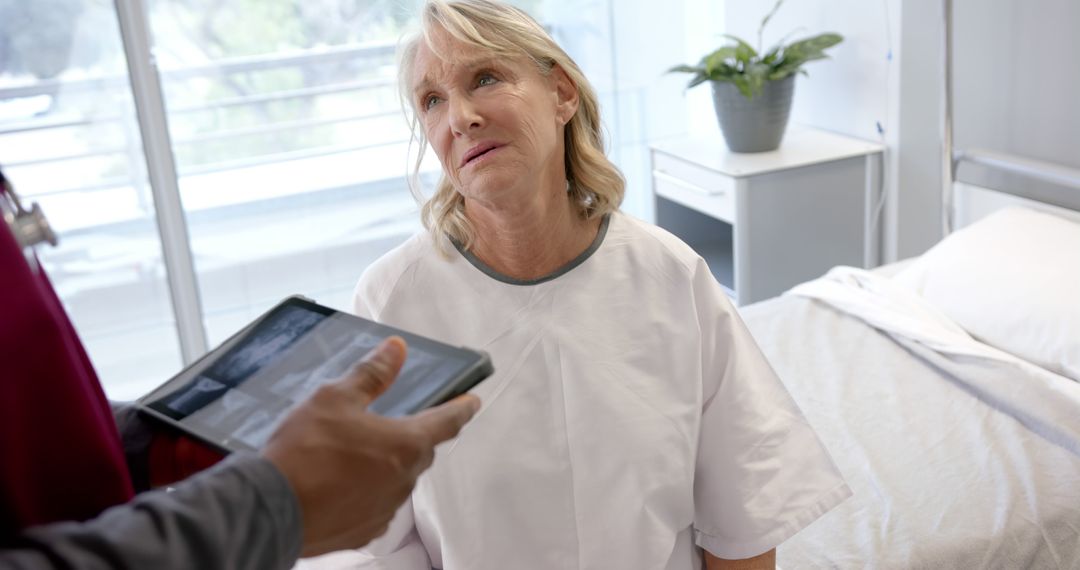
{"x": 464, "y": 115}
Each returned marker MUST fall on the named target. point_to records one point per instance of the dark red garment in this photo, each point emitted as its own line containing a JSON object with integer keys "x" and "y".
{"x": 59, "y": 448}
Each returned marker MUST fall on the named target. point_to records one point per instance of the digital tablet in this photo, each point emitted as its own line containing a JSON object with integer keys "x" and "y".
{"x": 234, "y": 397}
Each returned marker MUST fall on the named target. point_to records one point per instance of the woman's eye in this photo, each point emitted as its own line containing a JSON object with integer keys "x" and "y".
{"x": 430, "y": 101}
{"x": 485, "y": 80}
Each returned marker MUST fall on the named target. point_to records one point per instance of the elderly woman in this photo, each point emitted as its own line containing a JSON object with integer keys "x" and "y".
{"x": 632, "y": 423}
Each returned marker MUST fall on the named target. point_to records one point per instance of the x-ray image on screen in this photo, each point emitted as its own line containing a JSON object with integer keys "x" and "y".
{"x": 339, "y": 364}
{"x": 258, "y": 349}
{"x": 237, "y": 396}
{"x": 196, "y": 395}
{"x": 228, "y": 413}
{"x": 265, "y": 343}
{"x": 257, "y": 428}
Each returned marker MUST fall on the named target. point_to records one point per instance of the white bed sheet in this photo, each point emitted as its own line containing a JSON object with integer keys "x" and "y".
{"x": 891, "y": 269}
{"x": 957, "y": 459}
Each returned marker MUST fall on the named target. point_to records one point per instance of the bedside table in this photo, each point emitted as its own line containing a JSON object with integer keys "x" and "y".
{"x": 767, "y": 221}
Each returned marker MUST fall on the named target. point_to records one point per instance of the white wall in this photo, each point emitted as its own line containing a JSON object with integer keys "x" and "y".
{"x": 918, "y": 151}
{"x": 1016, "y": 83}
{"x": 648, "y": 40}
{"x": 704, "y": 24}
{"x": 855, "y": 91}
{"x": 624, "y": 48}
{"x": 1018, "y": 78}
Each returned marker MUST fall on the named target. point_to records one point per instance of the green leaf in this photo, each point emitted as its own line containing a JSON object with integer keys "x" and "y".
{"x": 743, "y": 83}
{"x": 700, "y": 75}
{"x": 725, "y": 71}
{"x": 778, "y": 74}
{"x": 783, "y": 41}
{"x": 766, "y": 19}
{"x": 813, "y": 47}
{"x": 744, "y": 52}
{"x": 741, "y": 64}
{"x": 756, "y": 76}
{"x": 771, "y": 56}
{"x": 697, "y": 80}
{"x": 798, "y": 53}
{"x": 717, "y": 60}
{"x": 686, "y": 69}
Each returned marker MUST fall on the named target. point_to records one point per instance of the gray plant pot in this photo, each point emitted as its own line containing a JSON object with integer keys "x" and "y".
{"x": 753, "y": 125}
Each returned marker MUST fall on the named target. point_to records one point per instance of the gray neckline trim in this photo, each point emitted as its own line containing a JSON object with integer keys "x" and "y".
{"x": 475, "y": 261}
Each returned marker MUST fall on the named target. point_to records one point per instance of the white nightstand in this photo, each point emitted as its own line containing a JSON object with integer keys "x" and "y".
{"x": 767, "y": 221}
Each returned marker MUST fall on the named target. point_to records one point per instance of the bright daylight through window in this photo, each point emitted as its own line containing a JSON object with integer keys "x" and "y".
{"x": 290, "y": 150}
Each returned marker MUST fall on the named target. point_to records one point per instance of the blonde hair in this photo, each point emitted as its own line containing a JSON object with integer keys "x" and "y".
{"x": 595, "y": 185}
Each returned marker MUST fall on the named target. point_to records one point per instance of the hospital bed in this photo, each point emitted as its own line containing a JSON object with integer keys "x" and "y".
{"x": 947, "y": 387}
{"x": 956, "y": 459}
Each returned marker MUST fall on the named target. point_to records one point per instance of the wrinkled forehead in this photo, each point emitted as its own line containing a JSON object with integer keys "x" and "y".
{"x": 439, "y": 55}
{"x": 439, "y": 52}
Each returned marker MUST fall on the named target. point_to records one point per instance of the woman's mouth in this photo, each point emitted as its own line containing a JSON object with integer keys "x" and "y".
{"x": 479, "y": 153}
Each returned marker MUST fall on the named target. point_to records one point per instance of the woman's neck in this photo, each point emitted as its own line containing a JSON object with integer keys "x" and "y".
{"x": 532, "y": 240}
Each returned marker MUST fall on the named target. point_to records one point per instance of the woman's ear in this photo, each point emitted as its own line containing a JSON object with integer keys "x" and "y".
{"x": 566, "y": 93}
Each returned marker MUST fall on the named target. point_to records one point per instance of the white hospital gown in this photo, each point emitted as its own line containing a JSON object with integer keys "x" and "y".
{"x": 631, "y": 417}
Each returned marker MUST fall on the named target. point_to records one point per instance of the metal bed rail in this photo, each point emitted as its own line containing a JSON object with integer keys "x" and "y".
{"x": 1029, "y": 170}
{"x": 1027, "y": 167}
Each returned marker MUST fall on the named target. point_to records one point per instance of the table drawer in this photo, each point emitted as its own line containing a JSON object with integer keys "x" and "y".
{"x": 704, "y": 190}
{"x": 707, "y": 181}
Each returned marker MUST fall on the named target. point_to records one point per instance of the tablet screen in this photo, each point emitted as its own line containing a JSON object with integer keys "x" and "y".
{"x": 238, "y": 394}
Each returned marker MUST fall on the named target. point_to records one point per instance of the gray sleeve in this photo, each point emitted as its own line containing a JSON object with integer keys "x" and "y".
{"x": 239, "y": 514}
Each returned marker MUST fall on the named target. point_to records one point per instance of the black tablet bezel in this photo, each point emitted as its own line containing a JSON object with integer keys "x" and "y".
{"x": 476, "y": 365}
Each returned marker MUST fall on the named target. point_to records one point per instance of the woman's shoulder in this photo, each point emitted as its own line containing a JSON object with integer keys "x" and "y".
{"x": 651, "y": 240}
{"x": 379, "y": 279}
{"x": 398, "y": 259}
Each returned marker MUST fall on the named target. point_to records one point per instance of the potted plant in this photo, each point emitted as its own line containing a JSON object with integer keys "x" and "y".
{"x": 752, "y": 90}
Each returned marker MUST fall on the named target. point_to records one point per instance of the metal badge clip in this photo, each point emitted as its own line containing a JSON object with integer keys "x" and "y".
{"x": 30, "y": 227}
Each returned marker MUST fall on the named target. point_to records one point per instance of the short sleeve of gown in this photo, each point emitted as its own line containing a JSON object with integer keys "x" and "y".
{"x": 762, "y": 474}
{"x": 397, "y": 549}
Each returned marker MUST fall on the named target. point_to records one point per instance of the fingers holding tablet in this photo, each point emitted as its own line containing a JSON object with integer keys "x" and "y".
{"x": 443, "y": 422}
{"x": 329, "y": 398}
{"x": 374, "y": 374}
{"x": 235, "y": 396}
{"x": 350, "y": 469}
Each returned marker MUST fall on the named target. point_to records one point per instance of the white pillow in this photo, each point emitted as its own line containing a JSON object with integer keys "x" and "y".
{"x": 1012, "y": 280}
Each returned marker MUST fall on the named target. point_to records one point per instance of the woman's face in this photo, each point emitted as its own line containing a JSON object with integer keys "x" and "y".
{"x": 496, "y": 123}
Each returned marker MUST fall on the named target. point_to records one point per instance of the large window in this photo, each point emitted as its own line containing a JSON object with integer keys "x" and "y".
{"x": 69, "y": 140}
{"x": 288, "y": 143}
